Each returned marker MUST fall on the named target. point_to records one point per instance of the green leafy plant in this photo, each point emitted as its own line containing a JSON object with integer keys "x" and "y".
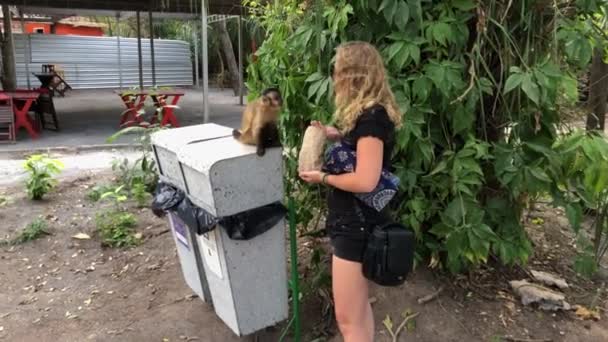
{"x": 41, "y": 172}
{"x": 582, "y": 186}
{"x": 143, "y": 170}
{"x": 481, "y": 85}
{"x": 34, "y": 230}
{"x": 116, "y": 195}
{"x": 95, "y": 193}
{"x": 140, "y": 194}
{"x": 117, "y": 229}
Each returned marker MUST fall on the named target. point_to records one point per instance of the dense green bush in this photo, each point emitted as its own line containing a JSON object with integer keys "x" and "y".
{"x": 481, "y": 84}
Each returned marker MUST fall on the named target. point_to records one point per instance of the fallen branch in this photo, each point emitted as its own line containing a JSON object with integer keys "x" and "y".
{"x": 164, "y": 231}
{"x": 515, "y": 339}
{"x": 395, "y": 334}
{"x": 431, "y": 297}
{"x": 178, "y": 300}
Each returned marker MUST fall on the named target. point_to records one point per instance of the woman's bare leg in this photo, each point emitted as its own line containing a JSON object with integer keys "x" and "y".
{"x": 353, "y": 310}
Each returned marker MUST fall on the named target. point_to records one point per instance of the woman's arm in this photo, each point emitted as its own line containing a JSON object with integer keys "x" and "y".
{"x": 366, "y": 175}
{"x": 330, "y": 132}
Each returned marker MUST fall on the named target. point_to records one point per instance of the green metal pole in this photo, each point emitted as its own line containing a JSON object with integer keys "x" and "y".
{"x": 295, "y": 282}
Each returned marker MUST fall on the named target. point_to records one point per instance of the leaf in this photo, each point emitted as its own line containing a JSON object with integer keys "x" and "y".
{"x": 394, "y": 49}
{"x": 390, "y": 10}
{"x": 422, "y": 88}
{"x": 569, "y": 88}
{"x": 322, "y": 90}
{"x": 442, "y": 33}
{"x": 486, "y": 86}
{"x": 441, "y": 166}
{"x": 454, "y": 213}
{"x": 462, "y": 120}
{"x": 587, "y": 314}
{"x": 403, "y": 55}
{"x": 484, "y": 232}
{"x": 402, "y": 15}
{"x": 545, "y": 151}
{"x": 314, "y": 88}
{"x": 464, "y": 5}
{"x": 388, "y": 323}
{"x": 384, "y": 4}
{"x": 81, "y": 236}
{"x": 531, "y": 89}
{"x": 124, "y": 131}
{"x": 513, "y": 82}
{"x": 539, "y": 174}
{"x": 317, "y": 76}
{"x": 415, "y": 53}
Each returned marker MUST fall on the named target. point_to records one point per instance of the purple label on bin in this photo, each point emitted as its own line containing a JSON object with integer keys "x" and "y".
{"x": 180, "y": 229}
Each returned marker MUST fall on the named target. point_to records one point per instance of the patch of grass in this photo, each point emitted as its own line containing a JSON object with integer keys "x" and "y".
{"x": 117, "y": 229}
{"x": 35, "y": 230}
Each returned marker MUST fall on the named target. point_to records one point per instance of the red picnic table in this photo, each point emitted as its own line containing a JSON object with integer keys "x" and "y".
{"x": 22, "y": 103}
{"x": 164, "y": 102}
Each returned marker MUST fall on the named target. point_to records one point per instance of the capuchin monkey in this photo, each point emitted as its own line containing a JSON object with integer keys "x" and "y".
{"x": 259, "y": 126}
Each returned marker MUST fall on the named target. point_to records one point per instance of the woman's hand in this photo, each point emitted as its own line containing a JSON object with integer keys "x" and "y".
{"x": 330, "y": 132}
{"x": 312, "y": 177}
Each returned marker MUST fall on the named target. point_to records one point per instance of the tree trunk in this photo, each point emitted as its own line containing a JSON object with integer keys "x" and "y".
{"x": 229, "y": 54}
{"x": 598, "y": 92}
{"x": 9, "y": 74}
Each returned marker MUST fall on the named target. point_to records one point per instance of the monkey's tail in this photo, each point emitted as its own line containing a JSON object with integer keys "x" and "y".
{"x": 236, "y": 134}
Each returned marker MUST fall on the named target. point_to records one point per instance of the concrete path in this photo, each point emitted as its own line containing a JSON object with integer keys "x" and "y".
{"x": 11, "y": 170}
{"x": 89, "y": 117}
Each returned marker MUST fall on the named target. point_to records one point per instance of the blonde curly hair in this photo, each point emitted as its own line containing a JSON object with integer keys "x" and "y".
{"x": 360, "y": 82}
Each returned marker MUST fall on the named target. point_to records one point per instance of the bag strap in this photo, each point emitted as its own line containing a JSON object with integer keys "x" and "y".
{"x": 358, "y": 210}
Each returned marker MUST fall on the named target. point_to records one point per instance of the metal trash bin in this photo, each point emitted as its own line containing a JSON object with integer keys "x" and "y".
{"x": 246, "y": 279}
{"x": 165, "y": 145}
{"x": 190, "y": 259}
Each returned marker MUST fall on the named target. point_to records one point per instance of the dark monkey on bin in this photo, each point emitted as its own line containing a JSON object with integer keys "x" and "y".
{"x": 259, "y": 126}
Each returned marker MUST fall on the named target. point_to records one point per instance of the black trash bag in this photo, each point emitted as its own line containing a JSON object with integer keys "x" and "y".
{"x": 251, "y": 223}
{"x": 166, "y": 197}
{"x": 194, "y": 217}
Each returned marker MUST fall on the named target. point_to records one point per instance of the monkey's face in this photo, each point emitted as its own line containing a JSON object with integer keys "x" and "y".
{"x": 275, "y": 99}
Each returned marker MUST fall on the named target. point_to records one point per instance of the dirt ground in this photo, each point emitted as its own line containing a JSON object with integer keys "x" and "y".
{"x": 61, "y": 289}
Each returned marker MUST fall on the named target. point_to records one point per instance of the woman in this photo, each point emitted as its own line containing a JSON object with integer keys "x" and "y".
{"x": 367, "y": 115}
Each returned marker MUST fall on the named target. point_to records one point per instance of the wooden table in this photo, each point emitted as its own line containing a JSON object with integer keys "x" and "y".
{"x": 22, "y": 102}
{"x": 164, "y": 103}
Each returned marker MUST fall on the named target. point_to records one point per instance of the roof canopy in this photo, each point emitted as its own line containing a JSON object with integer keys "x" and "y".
{"x": 166, "y": 6}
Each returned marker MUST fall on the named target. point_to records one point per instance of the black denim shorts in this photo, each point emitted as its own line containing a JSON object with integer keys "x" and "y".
{"x": 349, "y": 241}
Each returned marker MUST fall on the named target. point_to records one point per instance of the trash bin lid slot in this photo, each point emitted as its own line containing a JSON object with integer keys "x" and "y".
{"x": 207, "y": 139}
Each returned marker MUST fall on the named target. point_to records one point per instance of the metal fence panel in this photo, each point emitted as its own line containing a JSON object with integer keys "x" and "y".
{"x": 93, "y": 62}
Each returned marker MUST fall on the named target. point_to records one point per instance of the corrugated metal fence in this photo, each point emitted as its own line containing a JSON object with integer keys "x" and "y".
{"x": 93, "y": 62}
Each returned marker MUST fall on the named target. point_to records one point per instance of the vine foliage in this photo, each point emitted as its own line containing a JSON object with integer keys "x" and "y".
{"x": 481, "y": 84}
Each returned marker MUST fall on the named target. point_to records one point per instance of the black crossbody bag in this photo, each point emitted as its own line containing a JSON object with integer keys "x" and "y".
{"x": 389, "y": 254}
